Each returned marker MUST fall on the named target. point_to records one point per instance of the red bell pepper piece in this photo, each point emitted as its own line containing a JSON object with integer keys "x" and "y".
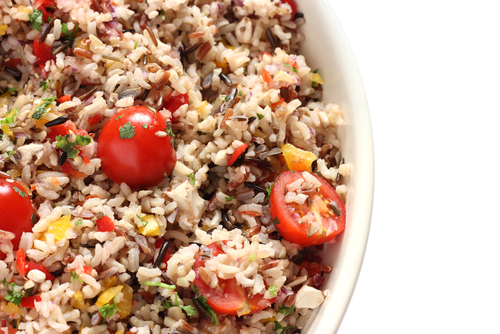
{"x": 236, "y": 154}
{"x": 21, "y": 262}
{"x": 32, "y": 266}
{"x": 30, "y": 301}
{"x": 105, "y": 224}
{"x": 42, "y": 52}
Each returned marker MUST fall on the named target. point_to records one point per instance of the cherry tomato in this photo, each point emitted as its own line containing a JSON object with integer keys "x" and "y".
{"x": 15, "y": 206}
{"x": 229, "y": 297}
{"x": 305, "y": 224}
{"x": 30, "y": 301}
{"x": 174, "y": 102}
{"x": 293, "y": 5}
{"x": 32, "y": 266}
{"x": 95, "y": 119}
{"x": 267, "y": 76}
{"x": 42, "y": 52}
{"x": 239, "y": 151}
{"x": 132, "y": 152}
{"x": 63, "y": 129}
{"x": 105, "y": 224}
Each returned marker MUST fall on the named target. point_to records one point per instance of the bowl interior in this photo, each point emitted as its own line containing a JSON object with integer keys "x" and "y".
{"x": 326, "y": 48}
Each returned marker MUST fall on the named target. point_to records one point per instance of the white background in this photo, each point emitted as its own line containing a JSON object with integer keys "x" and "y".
{"x": 431, "y": 71}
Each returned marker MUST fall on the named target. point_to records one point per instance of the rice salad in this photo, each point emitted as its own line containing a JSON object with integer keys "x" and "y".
{"x": 166, "y": 166}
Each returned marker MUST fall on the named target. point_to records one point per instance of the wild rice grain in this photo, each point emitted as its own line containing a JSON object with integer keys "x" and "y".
{"x": 271, "y": 38}
{"x": 59, "y": 120}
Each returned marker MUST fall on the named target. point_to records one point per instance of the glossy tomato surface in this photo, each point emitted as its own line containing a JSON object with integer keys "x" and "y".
{"x": 15, "y": 209}
{"x": 228, "y": 297}
{"x": 174, "y": 102}
{"x": 131, "y": 152}
{"x": 305, "y": 224}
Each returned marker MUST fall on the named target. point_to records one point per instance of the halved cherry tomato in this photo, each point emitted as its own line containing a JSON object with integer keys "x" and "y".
{"x": 105, "y": 224}
{"x": 15, "y": 209}
{"x": 42, "y": 52}
{"x": 87, "y": 270}
{"x": 237, "y": 154}
{"x": 304, "y": 224}
{"x": 32, "y": 266}
{"x": 21, "y": 262}
{"x": 293, "y": 5}
{"x": 228, "y": 297}
{"x": 174, "y": 102}
{"x": 131, "y": 151}
{"x": 30, "y": 301}
{"x": 8, "y": 330}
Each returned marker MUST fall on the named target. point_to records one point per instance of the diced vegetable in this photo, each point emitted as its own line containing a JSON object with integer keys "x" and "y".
{"x": 240, "y": 150}
{"x": 297, "y": 159}
{"x": 12, "y": 309}
{"x": 267, "y": 76}
{"x": 77, "y": 301}
{"x": 21, "y": 262}
{"x": 29, "y": 302}
{"x": 107, "y": 295}
{"x": 32, "y": 266}
{"x": 125, "y": 306}
{"x": 105, "y": 224}
{"x": 316, "y": 78}
{"x": 151, "y": 227}
{"x": 58, "y": 228}
{"x": 68, "y": 170}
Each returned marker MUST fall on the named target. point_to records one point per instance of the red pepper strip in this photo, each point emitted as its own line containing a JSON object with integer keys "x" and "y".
{"x": 21, "y": 262}
{"x": 236, "y": 154}
{"x": 64, "y": 98}
{"x": 33, "y": 266}
{"x": 105, "y": 224}
{"x": 87, "y": 270}
{"x": 30, "y": 301}
{"x": 68, "y": 170}
{"x": 274, "y": 105}
{"x": 42, "y": 52}
{"x": 249, "y": 213}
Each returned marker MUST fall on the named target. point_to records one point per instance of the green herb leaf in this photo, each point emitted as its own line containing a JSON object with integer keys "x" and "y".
{"x": 135, "y": 45}
{"x": 14, "y": 293}
{"x": 203, "y": 303}
{"x": 260, "y": 116}
{"x": 286, "y": 310}
{"x": 240, "y": 93}
{"x": 69, "y": 35}
{"x": 191, "y": 179}
{"x": 36, "y": 19}
{"x": 190, "y": 310}
{"x": 108, "y": 310}
{"x": 118, "y": 117}
{"x": 10, "y": 153}
{"x": 145, "y": 126}
{"x": 252, "y": 257}
{"x": 152, "y": 109}
{"x": 269, "y": 190}
{"x": 45, "y": 84}
{"x": 229, "y": 198}
{"x": 278, "y": 327}
{"x": 11, "y": 116}
{"x": 65, "y": 145}
{"x": 79, "y": 222}
{"x": 171, "y": 133}
{"x": 42, "y": 109}
{"x": 276, "y": 221}
{"x": 159, "y": 284}
{"x": 127, "y": 131}
{"x": 10, "y": 90}
{"x": 75, "y": 276}
{"x": 144, "y": 222}
{"x": 82, "y": 140}
{"x": 273, "y": 290}
{"x": 4, "y": 281}
{"x": 162, "y": 15}
{"x": 20, "y": 192}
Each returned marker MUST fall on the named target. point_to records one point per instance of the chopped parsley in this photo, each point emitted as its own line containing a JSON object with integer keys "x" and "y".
{"x": 127, "y": 131}
{"x": 276, "y": 221}
{"x": 79, "y": 222}
{"x": 36, "y": 19}
{"x": 269, "y": 190}
{"x": 286, "y": 310}
{"x": 162, "y": 15}
{"x": 240, "y": 93}
{"x": 171, "y": 133}
{"x": 65, "y": 145}
{"x": 10, "y": 153}
{"x": 75, "y": 276}
{"x": 45, "y": 85}
{"x": 20, "y": 192}
{"x": 69, "y": 35}
{"x": 135, "y": 45}
{"x": 252, "y": 257}
{"x": 273, "y": 290}
{"x": 159, "y": 284}
{"x": 203, "y": 304}
{"x": 229, "y": 198}
{"x": 143, "y": 221}
{"x": 42, "y": 109}
{"x": 293, "y": 67}
{"x": 260, "y": 116}
{"x": 107, "y": 311}
{"x": 278, "y": 327}
{"x": 145, "y": 126}
{"x": 14, "y": 293}
{"x": 118, "y": 117}
{"x": 191, "y": 179}
{"x": 10, "y": 90}
{"x": 152, "y": 109}
{"x": 190, "y": 310}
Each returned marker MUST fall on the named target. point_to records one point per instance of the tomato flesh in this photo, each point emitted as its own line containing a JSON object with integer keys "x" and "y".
{"x": 173, "y": 103}
{"x": 310, "y": 223}
{"x": 141, "y": 159}
{"x": 30, "y": 301}
{"x": 15, "y": 206}
{"x": 236, "y": 154}
{"x": 293, "y": 5}
{"x": 32, "y": 266}
{"x": 229, "y": 297}
{"x": 105, "y": 224}
{"x": 42, "y": 52}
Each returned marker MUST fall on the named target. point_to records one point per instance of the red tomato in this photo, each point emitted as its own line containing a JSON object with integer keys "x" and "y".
{"x": 228, "y": 297}
{"x": 239, "y": 151}
{"x": 68, "y": 170}
{"x": 95, "y": 119}
{"x": 280, "y": 101}
{"x": 131, "y": 152}
{"x": 174, "y": 102}
{"x": 267, "y": 76}
{"x": 293, "y": 5}
{"x": 42, "y": 5}
{"x": 105, "y": 224}
{"x": 325, "y": 223}
{"x": 87, "y": 270}
{"x": 42, "y": 52}
{"x": 15, "y": 206}
{"x": 13, "y": 63}
{"x": 62, "y": 129}
{"x": 32, "y": 266}
{"x": 8, "y": 330}
{"x": 30, "y": 301}
{"x": 21, "y": 262}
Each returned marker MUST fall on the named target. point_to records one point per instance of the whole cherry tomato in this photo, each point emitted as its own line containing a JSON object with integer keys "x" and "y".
{"x": 15, "y": 209}
{"x": 135, "y": 147}
{"x": 317, "y": 220}
{"x": 228, "y": 297}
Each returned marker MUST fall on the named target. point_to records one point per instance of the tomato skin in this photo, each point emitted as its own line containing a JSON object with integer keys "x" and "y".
{"x": 13, "y": 63}
{"x": 237, "y": 154}
{"x": 42, "y": 52}
{"x": 105, "y": 224}
{"x": 173, "y": 103}
{"x": 231, "y": 297}
{"x": 68, "y": 170}
{"x": 21, "y": 262}
{"x": 14, "y": 208}
{"x": 288, "y": 226}
{"x": 293, "y": 5}
{"x": 142, "y": 161}
{"x": 32, "y": 266}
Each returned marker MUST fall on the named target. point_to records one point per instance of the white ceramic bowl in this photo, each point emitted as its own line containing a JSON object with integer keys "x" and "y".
{"x": 326, "y": 48}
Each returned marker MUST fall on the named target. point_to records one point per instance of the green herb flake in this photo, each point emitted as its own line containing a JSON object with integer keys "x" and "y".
{"x": 10, "y": 153}
{"x": 14, "y": 293}
{"x": 276, "y": 221}
{"x": 42, "y": 109}
{"x": 143, "y": 221}
{"x": 278, "y": 327}
{"x": 127, "y": 131}
{"x": 162, "y": 15}
{"x": 260, "y": 116}
{"x": 273, "y": 290}
{"x": 79, "y": 222}
{"x": 36, "y": 19}
{"x": 240, "y": 93}
{"x": 286, "y": 310}
{"x": 145, "y": 126}
{"x": 75, "y": 276}
{"x": 108, "y": 310}
{"x": 252, "y": 257}
{"x": 171, "y": 133}
{"x": 45, "y": 84}
{"x": 10, "y": 90}
{"x": 269, "y": 190}
{"x": 159, "y": 284}
{"x": 203, "y": 303}
{"x": 69, "y": 35}
{"x": 20, "y": 192}
{"x": 10, "y": 116}
{"x": 65, "y": 145}
{"x": 152, "y": 109}
{"x": 135, "y": 45}
{"x": 191, "y": 179}
{"x": 118, "y": 117}
{"x": 229, "y": 198}
{"x": 190, "y": 310}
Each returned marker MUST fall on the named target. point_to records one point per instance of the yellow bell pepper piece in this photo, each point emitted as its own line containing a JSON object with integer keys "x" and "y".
{"x": 6, "y": 130}
{"x": 202, "y": 106}
{"x": 121, "y": 331}
{"x": 108, "y": 295}
{"x": 3, "y": 29}
{"x": 77, "y": 300}
{"x": 315, "y": 77}
{"x": 108, "y": 282}
{"x": 221, "y": 64}
{"x": 81, "y": 328}
{"x": 24, "y": 9}
{"x": 297, "y": 159}
{"x": 125, "y": 306}
{"x": 151, "y": 228}
{"x": 58, "y": 228}
{"x": 12, "y": 309}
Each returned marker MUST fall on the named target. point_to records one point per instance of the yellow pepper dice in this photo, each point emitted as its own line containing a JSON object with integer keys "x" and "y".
{"x": 297, "y": 159}
{"x": 12, "y": 309}
{"x": 77, "y": 300}
{"x": 58, "y": 228}
{"x": 108, "y": 295}
{"x": 125, "y": 305}
{"x": 151, "y": 228}
{"x": 315, "y": 77}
